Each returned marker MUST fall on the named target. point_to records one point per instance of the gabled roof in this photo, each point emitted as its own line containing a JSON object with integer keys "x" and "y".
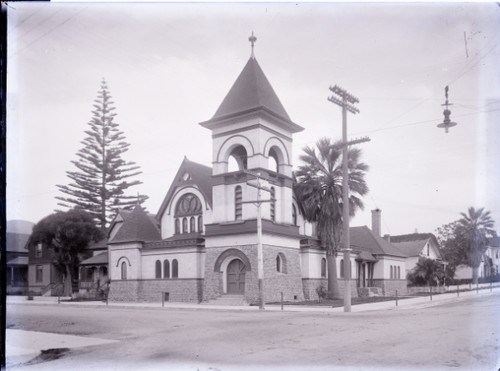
{"x": 251, "y": 92}
{"x": 137, "y": 227}
{"x": 412, "y": 244}
{"x": 363, "y": 238}
{"x": 200, "y": 176}
{"x": 101, "y": 258}
{"x": 16, "y": 242}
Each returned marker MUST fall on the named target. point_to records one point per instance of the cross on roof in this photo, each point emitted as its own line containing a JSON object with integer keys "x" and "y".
{"x": 252, "y": 40}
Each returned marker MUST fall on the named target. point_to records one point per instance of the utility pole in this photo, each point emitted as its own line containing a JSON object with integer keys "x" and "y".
{"x": 346, "y": 102}
{"x": 260, "y": 256}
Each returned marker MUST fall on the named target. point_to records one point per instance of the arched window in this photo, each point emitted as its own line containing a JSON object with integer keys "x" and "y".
{"x": 273, "y": 161}
{"x": 166, "y": 269}
{"x": 342, "y": 268}
{"x": 158, "y": 269}
{"x": 124, "y": 270}
{"x": 188, "y": 208}
{"x": 200, "y": 224}
{"x": 281, "y": 263}
{"x": 323, "y": 267}
{"x": 273, "y": 204}
{"x": 175, "y": 268}
{"x": 399, "y": 272}
{"x": 238, "y": 206}
{"x": 294, "y": 215}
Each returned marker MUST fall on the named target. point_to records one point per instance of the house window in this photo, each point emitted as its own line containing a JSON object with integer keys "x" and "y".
{"x": 294, "y": 215}
{"x": 192, "y": 224}
{"x": 184, "y": 225}
{"x": 158, "y": 269}
{"x": 175, "y": 268}
{"x": 166, "y": 269}
{"x": 342, "y": 268}
{"x": 278, "y": 264}
{"x": 273, "y": 204}
{"x": 177, "y": 226}
{"x": 124, "y": 270}
{"x": 238, "y": 206}
{"x": 428, "y": 250}
{"x": 392, "y": 272}
{"x": 38, "y": 251}
{"x": 39, "y": 273}
{"x": 323, "y": 267}
{"x": 399, "y": 272}
{"x": 496, "y": 254}
{"x": 200, "y": 224}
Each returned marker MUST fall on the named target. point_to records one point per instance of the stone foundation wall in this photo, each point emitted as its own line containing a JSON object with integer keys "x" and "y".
{"x": 311, "y": 284}
{"x": 289, "y": 282}
{"x": 389, "y": 286}
{"x": 150, "y": 290}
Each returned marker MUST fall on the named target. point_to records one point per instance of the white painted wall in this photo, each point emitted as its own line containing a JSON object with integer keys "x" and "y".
{"x": 251, "y": 239}
{"x": 382, "y": 268}
{"x": 168, "y": 220}
{"x": 117, "y": 253}
{"x": 190, "y": 262}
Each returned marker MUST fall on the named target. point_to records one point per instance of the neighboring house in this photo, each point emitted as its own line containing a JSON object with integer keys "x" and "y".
{"x": 417, "y": 245}
{"x": 203, "y": 243}
{"x": 43, "y": 276}
{"x": 16, "y": 263}
{"x": 489, "y": 265}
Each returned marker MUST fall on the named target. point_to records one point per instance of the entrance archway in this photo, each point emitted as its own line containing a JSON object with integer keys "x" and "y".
{"x": 236, "y": 277}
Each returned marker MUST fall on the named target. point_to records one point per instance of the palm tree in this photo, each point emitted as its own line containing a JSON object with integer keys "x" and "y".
{"x": 427, "y": 271}
{"x": 319, "y": 191}
{"x": 472, "y": 232}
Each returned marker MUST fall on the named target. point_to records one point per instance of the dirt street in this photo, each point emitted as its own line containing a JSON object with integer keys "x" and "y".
{"x": 464, "y": 335}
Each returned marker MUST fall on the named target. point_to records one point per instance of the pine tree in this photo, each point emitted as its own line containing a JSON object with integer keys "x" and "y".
{"x": 99, "y": 184}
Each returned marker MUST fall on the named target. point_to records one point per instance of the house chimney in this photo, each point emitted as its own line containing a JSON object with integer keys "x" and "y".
{"x": 376, "y": 221}
{"x": 387, "y": 237}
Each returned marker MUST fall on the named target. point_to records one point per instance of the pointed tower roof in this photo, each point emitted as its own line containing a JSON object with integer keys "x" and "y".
{"x": 251, "y": 90}
{"x": 250, "y": 93}
{"x": 138, "y": 227}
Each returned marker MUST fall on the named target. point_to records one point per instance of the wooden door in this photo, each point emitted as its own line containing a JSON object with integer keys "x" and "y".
{"x": 236, "y": 277}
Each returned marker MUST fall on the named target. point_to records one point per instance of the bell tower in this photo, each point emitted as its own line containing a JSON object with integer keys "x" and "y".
{"x": 252, "y": 134}
{"x": 251, "y": 131}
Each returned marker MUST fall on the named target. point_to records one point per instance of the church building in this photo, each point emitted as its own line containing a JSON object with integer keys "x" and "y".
{"x": 203, "y": 243}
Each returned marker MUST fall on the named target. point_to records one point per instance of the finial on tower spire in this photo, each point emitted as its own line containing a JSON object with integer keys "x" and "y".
{"x": 252, "y": 40}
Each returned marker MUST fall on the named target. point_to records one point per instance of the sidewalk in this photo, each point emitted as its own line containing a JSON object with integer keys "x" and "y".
{"x": 416, "y": 302}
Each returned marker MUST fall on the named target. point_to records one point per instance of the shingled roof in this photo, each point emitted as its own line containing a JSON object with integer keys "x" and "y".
{"x": 199, "y": 176}
{"x": 363, "y": 238}
{"x": 412, "y": 244}
{"x": 137, "y": 227}
{"x": 16, "y": 242}
{"x": 252, "y": 92}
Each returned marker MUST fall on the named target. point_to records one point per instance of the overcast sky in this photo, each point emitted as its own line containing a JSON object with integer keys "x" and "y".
{"x": 168, "y": 67}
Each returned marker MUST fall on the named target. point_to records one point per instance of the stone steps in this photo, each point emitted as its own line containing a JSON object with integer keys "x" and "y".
{"x": 230, "y": 300}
